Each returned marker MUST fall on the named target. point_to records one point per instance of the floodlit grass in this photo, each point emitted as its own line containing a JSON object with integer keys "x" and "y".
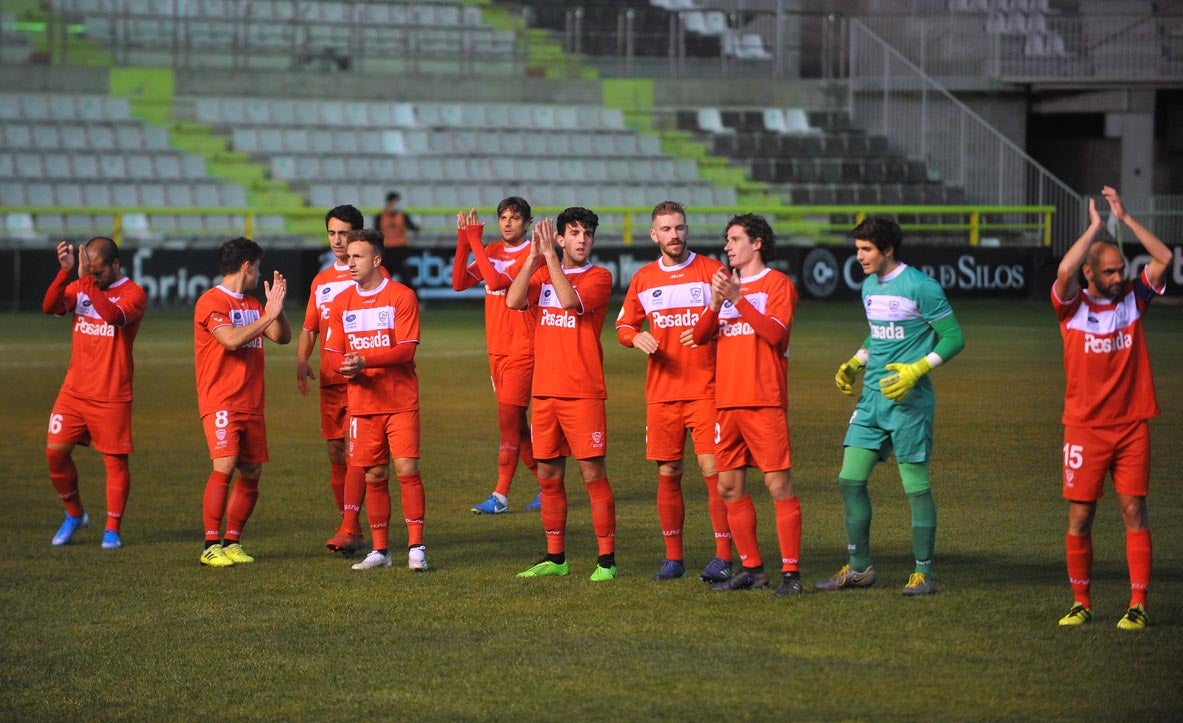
{"x": 146, "y": 633}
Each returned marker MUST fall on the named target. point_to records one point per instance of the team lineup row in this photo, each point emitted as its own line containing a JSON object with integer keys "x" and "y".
{"x": 716, "y": 339}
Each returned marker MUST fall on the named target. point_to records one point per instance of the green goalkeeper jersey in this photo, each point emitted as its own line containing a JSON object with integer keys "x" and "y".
{"x": 901, "y": 309}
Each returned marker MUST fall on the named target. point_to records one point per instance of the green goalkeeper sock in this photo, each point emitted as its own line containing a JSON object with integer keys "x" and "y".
{"x": 924, "y": 529}
{"x": 857, "y": 518}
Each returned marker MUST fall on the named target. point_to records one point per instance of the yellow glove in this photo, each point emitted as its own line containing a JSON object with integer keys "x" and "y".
{"x": 896, "y": 386}
{"x": 846, "y": 375}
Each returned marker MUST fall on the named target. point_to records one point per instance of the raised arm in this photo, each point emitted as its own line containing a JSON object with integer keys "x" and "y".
{"x": 516, "y": 297}
{"x": 1067, "y": 275}
{"x": 1160, "y": 254}
{"x": 55, "y": 301}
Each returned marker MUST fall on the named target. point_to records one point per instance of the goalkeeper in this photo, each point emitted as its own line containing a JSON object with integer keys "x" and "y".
{"x": 913, "y": 331}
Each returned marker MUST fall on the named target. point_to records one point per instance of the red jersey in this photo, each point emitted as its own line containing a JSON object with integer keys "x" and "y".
{"x": 568, "y": 357}
{"x": 372, "y": 323}
{"x": 507, "y": 332}
{"x": 751, "y": 372}
{"x": 227, "y": 380}
{"x": 672, "y": 298}
{"x": 326, "y": 285}
{"x": 1105, "y": 358}
{"x": 105, "y": 327}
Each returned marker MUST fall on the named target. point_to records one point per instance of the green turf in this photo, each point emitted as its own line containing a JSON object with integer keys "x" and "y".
{"x": 146, "y": 633}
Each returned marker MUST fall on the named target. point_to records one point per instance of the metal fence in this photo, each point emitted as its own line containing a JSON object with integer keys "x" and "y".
{"x": 891, "y": 96}
{"x": 1039, "y": 48}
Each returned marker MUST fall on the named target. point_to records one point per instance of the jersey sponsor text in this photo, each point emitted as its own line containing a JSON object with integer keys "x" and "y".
{"x": 1107, "y": 344}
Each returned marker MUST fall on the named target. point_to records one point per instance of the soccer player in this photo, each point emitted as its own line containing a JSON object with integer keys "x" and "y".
{"x": 326, "y": 285}
{"x": 509, "y": 335}
{"x": 372, "y": 335}
{"x": 571, "y": 297}
{"x": 94, "y": 404}
{"x": 1109, "y": 400}
{"x": 913, "y": 331}
{"x": 751, "y": 312}
{"x": 228, "y": 331}
{"x": 671, "y": 293}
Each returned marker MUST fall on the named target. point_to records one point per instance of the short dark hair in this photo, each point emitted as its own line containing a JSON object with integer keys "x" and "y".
{"x": 881, "y": 231}
{"x": 666, "y": 208}
{"x": 237, "y": 251}
{"x": 367, "y": 235}
{"x": 580, "y": 215}
{"x": 516, "y": 203}
{"x": 348, "y": 214}
{"x": 392, "y": 196}
{"x": 756, "y": 227}
{"x": 108, "y": 251}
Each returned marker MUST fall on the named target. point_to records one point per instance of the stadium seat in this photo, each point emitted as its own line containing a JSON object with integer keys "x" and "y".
{"x": 711, "y": 121}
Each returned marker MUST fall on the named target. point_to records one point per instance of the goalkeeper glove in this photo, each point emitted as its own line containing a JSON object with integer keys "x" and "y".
{"x": 846, "y": 375}
{"x": 896, "y": 386}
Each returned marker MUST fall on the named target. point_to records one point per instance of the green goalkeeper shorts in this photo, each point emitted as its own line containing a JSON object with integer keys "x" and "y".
{"x": 883, "y": 426}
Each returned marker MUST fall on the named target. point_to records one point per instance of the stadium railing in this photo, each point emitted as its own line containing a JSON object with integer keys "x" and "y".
{"x": 889, "y": 95}
{"x": 620, "y": 225}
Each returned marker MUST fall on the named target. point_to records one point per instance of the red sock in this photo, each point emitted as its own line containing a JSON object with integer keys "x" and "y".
{"x": 788, "y": 533}
{"x": 741, "y": 518}
{"x": 1080, "y": 566}
{"x": 603, "y": 510}
{"x": 554, "y": 514}
{"x": 213, "y": 504}
{"x": 118, "y": 487}
{"x": 526, "y": 448}
{"x": 718, "y": 512}
{"x": 355, "y": 494}
{"x": 337, "y": 482}
{"x": 378, "y": 511}
{"x": 1138, "y": 555}
{"x": 671, "y": 513}
{"x": 414, "y": 505}
{"x": 509, "y": 421}
{"x": 64, "y": 476}
{"x": 242, "y": 503}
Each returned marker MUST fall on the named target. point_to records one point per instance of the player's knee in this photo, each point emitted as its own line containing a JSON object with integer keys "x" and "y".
{"x": 914, "y": 478}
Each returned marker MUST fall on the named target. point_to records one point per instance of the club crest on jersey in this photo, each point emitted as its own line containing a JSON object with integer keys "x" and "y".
{"x": 221, "y": 435}
{"x": 382, "y": 316}
{"x": 695, "y": 293}
{"x": 1122, "y": 314}
{"x": 893, "y": 305}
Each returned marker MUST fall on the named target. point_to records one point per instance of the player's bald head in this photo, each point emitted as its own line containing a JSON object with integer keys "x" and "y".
{"x": 105, "y": 247}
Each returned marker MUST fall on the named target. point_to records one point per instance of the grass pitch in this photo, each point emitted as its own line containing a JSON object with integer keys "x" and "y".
{"x": 146, "y": 633}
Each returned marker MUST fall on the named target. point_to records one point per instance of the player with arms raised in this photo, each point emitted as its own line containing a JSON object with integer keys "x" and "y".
{"x": 1109, "y": 400}
{"x": 509, "y": 335}
{"x": 228, "y": 331}
{"x": 913, "y": 331}
{"x": 94, "y": 404}
{"x": 571, "y": 297}
{"x": 751, "y": 312}
{"x": 671, "y": 293}
{"x": 372, "y": 336}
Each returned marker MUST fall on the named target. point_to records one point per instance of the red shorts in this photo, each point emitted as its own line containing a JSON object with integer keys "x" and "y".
{"x": 374, "y": 439}
{"x": 753, "y": 437}
{"x": 511, "y": 377}
{"x": 106, "y": 426}
{"x": 569, "y": 428}
{"x": 1091, "y": 452}
{"x": 236, "y": 434}
{"x": 333, "y": 412}
{"x": 666, "y": 424}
